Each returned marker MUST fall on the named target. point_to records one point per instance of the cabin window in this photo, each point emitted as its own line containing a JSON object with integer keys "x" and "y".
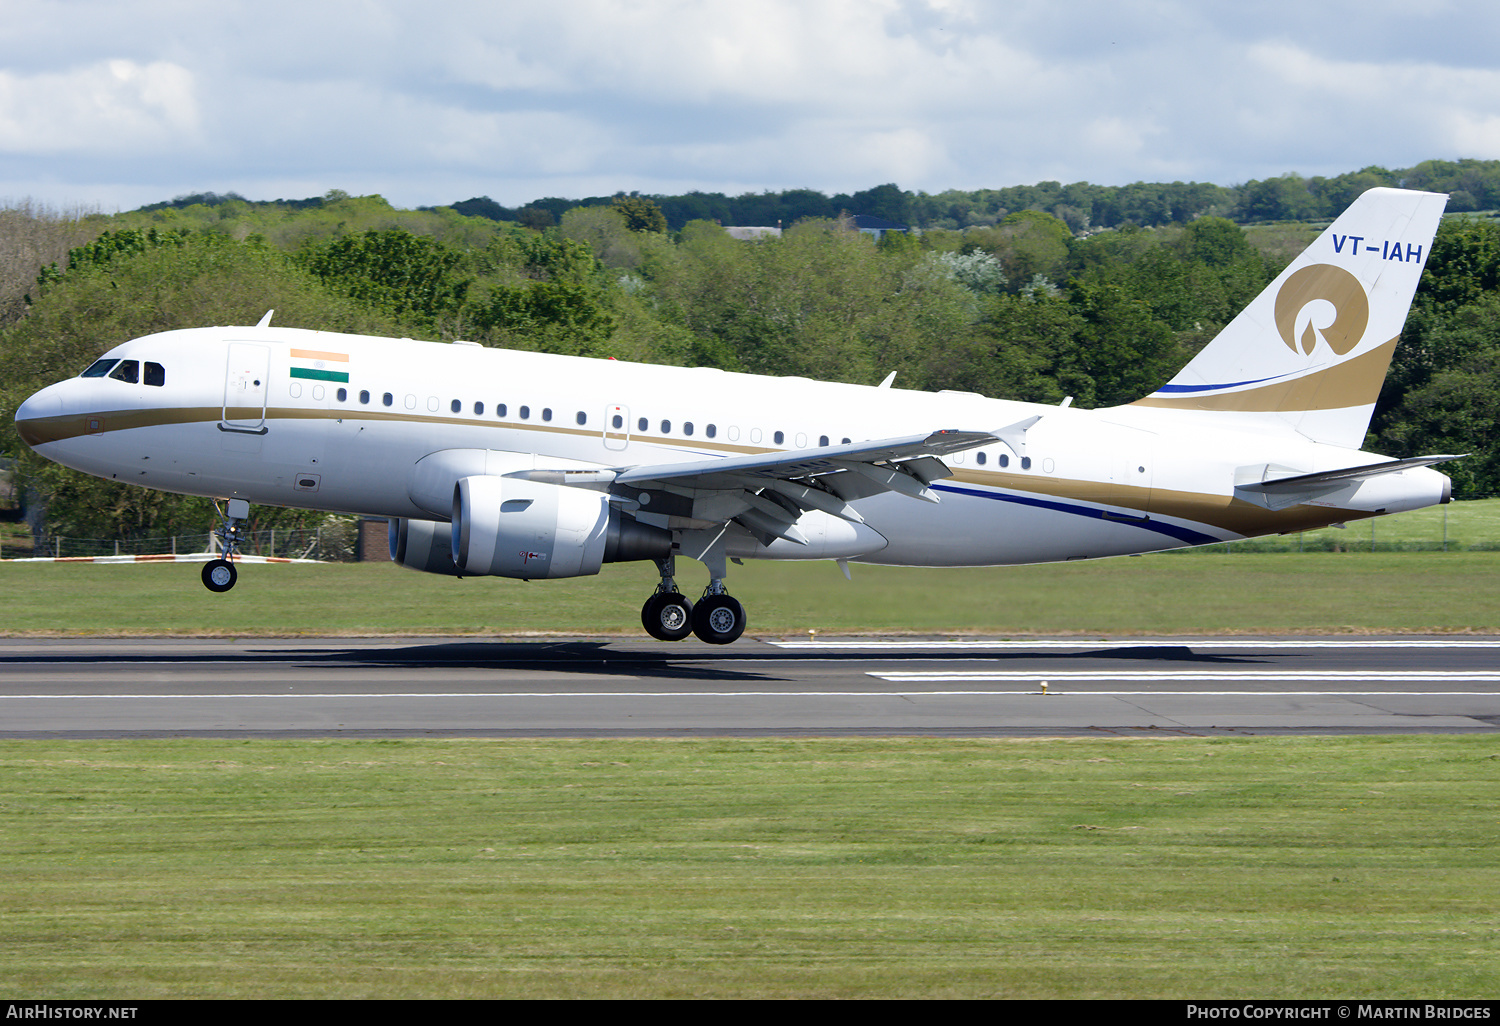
{"x": 583, "y": 418}
{"x": 1004, "y": 460}
{"x": 129, "y": 371}
{"x": 642, "y": 424}
{"x": 156, "y": 374}
{"x": 98, "y": 369}
{"x": 822, "y": 440}
{"x": 687, "y": 427}
{"x": 456, "y": 406}
{"x": 618, "y": 422}
{"x": 980, "y": 459}
{"x": 779, "y": 437}
{"x": 364, "y": 397}
{"x": 343, "y": 394}
{"x": 525, "y": 412}
{"x": 388, "y": 399}
{"x": 1025, "y": 462}
{"x": 710, "y": 431}
{"x": 666, "y": 427}
{"x": 844, "y": 442}
{"x": 479, "y": 409}
{"x": 546, "y": 413}
{"x": 500, "y": 409}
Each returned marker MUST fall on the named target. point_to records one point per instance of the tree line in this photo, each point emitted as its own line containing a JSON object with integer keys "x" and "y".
{"x": 1023, "y": 308}
{"x": 1472, "y": 185}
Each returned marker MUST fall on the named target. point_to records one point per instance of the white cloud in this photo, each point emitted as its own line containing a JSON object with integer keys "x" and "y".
{"x": 112, "y": 105}
{"x": 517, "y": 99}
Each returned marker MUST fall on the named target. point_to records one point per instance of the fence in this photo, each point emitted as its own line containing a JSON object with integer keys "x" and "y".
{"x": 323, "y": 543}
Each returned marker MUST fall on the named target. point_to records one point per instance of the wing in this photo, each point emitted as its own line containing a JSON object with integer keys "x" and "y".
{"x": 768, "y": 492}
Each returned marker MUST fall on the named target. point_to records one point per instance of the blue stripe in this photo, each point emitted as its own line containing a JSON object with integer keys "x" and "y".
{"x": 1227, "y": 384}
{"x": 1183, "y": 534}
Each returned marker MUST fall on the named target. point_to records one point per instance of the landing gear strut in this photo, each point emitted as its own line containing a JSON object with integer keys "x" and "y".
{"x": 219, "y": 575}
{"x": 667, "y": 614}
{"x": 717, "y": 617}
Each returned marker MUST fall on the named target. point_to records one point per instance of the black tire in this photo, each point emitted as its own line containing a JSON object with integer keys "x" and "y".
{"x": 219, "y": 575}
{"x": 667, "y": 616}
{"x": 719, "y": 619}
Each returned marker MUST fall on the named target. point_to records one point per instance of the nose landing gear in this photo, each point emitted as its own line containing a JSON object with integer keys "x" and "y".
{"x": 219, "y": 575}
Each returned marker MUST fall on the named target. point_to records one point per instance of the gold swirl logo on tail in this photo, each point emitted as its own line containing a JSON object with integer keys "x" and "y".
{"x": 1333, "y": 285}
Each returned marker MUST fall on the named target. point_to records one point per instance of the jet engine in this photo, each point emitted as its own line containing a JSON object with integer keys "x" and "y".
{"x": 424, "y": 545}
{"x": 513, "y": 527}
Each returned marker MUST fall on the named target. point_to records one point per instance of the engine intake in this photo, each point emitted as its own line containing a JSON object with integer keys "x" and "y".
{"x": 513, "y": 527}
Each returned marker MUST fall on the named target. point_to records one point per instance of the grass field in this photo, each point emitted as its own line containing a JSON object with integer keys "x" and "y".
{"x": 1413, "y": 592}
{"x": 1227, "y": 868}
{"x": 1217, "y": 868}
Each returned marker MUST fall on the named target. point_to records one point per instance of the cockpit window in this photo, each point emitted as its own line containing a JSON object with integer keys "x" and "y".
{"x": 156, "y": 374}
{"x": 129, "y": 371}
{"x": 98, "y": 369}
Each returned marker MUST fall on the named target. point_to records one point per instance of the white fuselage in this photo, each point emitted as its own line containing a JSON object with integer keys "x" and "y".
{"x": 317, "y": 420}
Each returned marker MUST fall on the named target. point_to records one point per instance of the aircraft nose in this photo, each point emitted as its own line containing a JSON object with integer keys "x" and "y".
{"x": 31, "y": 414}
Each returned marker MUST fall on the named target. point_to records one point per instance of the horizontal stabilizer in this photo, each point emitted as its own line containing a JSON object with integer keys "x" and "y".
{"x": 1335, "y": 478}
{"x": 1281, "y": 492}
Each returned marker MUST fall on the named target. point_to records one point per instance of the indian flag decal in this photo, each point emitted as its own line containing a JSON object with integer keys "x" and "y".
{"x": 319, "y": 366}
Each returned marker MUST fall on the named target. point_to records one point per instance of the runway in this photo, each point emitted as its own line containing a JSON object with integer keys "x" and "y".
{"x": 466, "y": 687}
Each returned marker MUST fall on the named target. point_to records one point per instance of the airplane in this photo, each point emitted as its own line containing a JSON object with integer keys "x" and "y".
{"x": 489, "y": 462}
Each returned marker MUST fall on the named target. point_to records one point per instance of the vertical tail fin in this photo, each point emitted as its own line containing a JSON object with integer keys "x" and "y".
{"x": 1311, "y": 351}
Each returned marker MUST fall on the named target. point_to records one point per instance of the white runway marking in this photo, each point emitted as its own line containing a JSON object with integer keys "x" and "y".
{"x": 1237, "y": 676}
{"x": 1192, "y": 642}
{"x": 594, "y": 695}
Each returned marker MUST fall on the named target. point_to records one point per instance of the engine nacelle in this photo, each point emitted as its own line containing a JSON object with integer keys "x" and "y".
{"x": 425, "y": 545}
{"x": 513, "y": 527}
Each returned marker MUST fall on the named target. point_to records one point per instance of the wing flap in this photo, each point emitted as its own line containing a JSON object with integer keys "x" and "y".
{"x": 768, "y": 492}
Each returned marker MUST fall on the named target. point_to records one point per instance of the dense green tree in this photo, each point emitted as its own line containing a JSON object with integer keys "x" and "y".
{"x": 1027, "y": 243}
{"x": 607, "y": 234}
{"x": 556, "y": 316}
{"x": 407, "y": 275}
{"x": 1279, "y": 199}
{"x": 1122, "y": 348}
{"x": 887, "y": 201}
{"x": 640, "y": 214}
{"x": 208, "y": 279}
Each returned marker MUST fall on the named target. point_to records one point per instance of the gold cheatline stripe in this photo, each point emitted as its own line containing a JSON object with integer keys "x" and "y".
{"x": 1222, "y": 511}
{"x": 55, "y": 429}
{"x": 1354, "y": 382}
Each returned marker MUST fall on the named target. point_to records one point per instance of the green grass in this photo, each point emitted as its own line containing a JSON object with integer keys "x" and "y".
{"x": 1229, "y": 868}
{"x": 1413, "y": 592}
{"x": 1452, "y": 528}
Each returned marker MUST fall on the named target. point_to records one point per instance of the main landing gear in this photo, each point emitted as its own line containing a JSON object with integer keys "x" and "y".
{"x": 219, "y": 575}
{"x": 717, "y": 617}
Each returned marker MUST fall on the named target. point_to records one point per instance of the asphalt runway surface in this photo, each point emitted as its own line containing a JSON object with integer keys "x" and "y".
{"x": 462, "y": 687}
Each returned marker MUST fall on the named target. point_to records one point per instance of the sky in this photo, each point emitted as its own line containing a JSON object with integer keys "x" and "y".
{"x": 113, "y": 104}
